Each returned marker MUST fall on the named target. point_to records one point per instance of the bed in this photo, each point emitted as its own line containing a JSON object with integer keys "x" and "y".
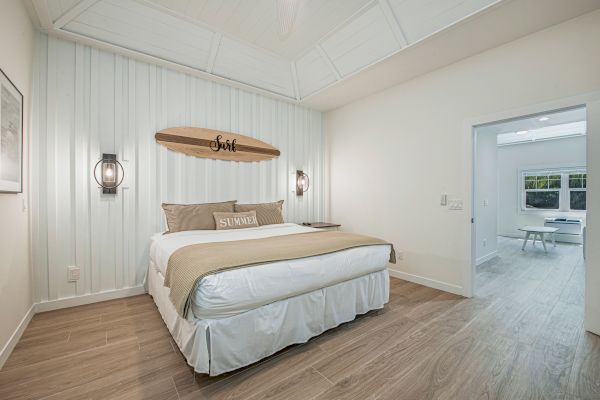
{"x": 239, "y": 316}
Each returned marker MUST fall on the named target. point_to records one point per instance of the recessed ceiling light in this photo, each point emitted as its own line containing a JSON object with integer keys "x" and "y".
{"x": 522, "y": 132}
{"x": 544, "y": 119}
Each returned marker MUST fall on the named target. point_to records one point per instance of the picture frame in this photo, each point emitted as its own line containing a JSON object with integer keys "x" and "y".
{"x": 11, "y": 136}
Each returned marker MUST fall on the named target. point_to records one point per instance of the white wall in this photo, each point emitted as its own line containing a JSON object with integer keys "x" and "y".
{"x": 393, "y": 153}
{"x": 541, "y": 154}
{"x": 16, "y": 47}
{"x": 486, "y": 197}
{"x": 91, "y": 101}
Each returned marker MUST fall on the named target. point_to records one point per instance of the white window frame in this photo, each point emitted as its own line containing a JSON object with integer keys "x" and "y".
{"x": 569, "y": 189}
{"x": 525, "y": 190}
{"x": 564, "y": 191}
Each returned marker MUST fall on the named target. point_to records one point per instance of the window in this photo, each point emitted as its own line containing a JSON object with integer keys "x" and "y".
{"x": 542, "y": 192}
{"x": 577, "y": 191}
{"x": 558, "y": 190}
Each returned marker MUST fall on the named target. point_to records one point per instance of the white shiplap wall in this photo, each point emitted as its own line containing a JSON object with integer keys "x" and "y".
{"x": 88, "y": 102}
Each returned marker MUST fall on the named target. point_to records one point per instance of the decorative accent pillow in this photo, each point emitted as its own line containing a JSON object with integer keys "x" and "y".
{"x": 191, "y": 217}
{"x": 266, "y": 213}
{"x": 235, "y": 220}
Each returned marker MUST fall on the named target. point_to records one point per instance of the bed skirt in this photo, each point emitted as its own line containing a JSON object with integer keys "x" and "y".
{"x": 216, "y": 346}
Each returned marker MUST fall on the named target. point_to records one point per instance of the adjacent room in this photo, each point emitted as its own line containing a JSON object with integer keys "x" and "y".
{"x": 299, "y": 199}
{"x": 530, "y": 212}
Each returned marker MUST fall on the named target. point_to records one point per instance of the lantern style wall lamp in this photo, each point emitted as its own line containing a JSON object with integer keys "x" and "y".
{"x": 109, "y": 173}
{"x": 302, "y": 183}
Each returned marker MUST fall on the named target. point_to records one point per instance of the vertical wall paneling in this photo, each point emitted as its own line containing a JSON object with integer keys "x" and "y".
{"x": 50, "y": 171}
{"x": 89, "y": 102}
{"x": 94, "y": 152}
{"x": 39, "y": 220}
{"x": 117, "y": 214}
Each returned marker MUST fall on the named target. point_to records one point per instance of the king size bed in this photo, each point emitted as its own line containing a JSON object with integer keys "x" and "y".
{"x": 232, "y": 297}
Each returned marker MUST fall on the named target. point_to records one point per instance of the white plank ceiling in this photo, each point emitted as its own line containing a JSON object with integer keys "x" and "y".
{"x": 239, "y": 41}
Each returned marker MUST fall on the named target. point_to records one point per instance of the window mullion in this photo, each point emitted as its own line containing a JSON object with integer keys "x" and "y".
{"x": 564, "y": 192}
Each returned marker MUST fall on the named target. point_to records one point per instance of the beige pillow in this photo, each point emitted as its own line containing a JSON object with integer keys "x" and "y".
{"x": 235, "y": 220}
{"x": 191, "y": 217}
{"x": 266, "y": 213}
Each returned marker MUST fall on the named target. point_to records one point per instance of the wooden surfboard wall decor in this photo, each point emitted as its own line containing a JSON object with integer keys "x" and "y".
{"x": 218, "y": 145}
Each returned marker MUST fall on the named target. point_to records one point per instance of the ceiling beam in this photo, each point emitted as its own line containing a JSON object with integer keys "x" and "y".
{"x": 393, "y": 23}
{"x": 73, "y": 13}
{"x": 295, "y": 80}
{"x": 41, "y": 9}
{"x": 215, "y": 43}
{"x": 328, "y": 61}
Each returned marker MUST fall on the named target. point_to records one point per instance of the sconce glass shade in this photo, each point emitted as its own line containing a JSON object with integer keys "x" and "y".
{"x": 108, "y": 173}
{"x": 302, "y": 183}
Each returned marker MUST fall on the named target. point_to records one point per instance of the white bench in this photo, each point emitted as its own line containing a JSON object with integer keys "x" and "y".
{"x": 538, "y": 231}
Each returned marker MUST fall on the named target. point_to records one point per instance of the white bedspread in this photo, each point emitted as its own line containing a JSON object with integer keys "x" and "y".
{"x": 233, "y": 292}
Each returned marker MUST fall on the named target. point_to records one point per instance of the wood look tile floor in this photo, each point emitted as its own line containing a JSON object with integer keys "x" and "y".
{"x": 520, "y": 337}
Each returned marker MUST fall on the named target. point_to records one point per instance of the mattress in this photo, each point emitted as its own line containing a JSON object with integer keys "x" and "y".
{"x": 237, "y": 291}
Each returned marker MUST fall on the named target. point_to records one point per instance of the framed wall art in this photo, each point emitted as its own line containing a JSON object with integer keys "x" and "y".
{"x": 11, "y": 136}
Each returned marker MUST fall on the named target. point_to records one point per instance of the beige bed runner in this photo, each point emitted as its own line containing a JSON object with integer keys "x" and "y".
{"x": 189, "y": 264}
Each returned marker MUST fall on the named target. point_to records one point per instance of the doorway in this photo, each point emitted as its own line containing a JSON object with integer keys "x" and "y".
{"x": 533, "y": 201}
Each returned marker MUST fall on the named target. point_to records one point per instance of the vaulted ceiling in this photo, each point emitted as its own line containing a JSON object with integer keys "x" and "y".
{"x": 239, "y": 41}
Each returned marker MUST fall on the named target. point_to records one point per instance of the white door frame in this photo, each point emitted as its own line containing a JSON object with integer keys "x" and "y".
{"x": 592, "y": 102}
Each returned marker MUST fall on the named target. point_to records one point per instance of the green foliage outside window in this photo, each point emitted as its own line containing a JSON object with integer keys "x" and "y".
{"x": 543, "y": 191}
{"x": 541, "y": 182}
{"x": 577, "y": 181}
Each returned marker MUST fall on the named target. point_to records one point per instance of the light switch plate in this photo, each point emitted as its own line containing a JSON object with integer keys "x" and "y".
{"x": 455, "y": 204}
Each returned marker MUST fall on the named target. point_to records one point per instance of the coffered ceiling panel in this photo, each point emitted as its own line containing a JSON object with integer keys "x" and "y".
{"x": 131, "y": 25}
{"x": 313, "y": 73}
{"x": 365, "y": 39}
{"x": 421, "y": 18}
{"x": 249, "y": 65}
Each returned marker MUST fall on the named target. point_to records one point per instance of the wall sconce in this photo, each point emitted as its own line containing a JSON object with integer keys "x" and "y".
{"x": 109, "y": 173}
{"x": 302, "y": 183}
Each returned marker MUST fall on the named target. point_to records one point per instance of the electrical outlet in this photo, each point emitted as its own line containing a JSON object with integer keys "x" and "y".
{"x": 73, "y": 273}
{"x": 399, "y": 256}
{"x": 484, "y": 242}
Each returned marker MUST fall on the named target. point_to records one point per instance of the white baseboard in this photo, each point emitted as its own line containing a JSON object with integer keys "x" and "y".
{"x": 432, "y": 283}
{"x": 89, "y": 298}
{"x": 487, "y": 257}
{"x": 14, "y": 338}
